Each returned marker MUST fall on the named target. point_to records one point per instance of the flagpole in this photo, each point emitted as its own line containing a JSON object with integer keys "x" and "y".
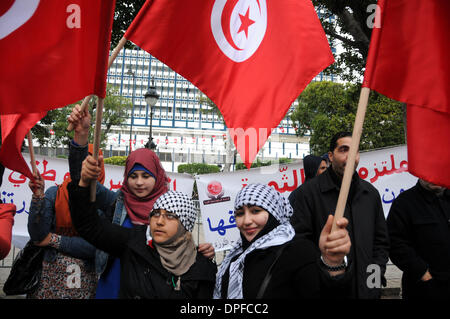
{"x": 30, "y": 147}
{"x": 111, "y": 59}
{"x": 353, "y": 151}
{"x": 97, "y": 136}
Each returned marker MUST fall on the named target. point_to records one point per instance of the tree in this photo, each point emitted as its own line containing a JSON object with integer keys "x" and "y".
{"x": 115, "y": 112}
{"x": 125, "y": 12}
{"x": 327, "y": 107}
{"x": 352, "y": 28}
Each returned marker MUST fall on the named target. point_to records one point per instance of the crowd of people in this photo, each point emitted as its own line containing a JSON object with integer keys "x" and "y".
{"x": 137, "y": 242}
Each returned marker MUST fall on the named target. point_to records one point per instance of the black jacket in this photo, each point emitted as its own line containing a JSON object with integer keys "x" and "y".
{"x": 142, "y": 274}
{"x": 314, "y": 201}
{"x": 297, "y": 274}
{"x": 419, "y": 228}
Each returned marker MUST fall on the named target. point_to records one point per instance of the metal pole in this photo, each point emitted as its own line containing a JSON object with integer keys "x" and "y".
{"x": 150, "y": 130}
{"x": 132, "y": 111}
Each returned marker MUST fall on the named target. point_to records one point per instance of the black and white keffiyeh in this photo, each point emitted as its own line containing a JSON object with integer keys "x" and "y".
{"x": 179, "y": 204}
{"x": 275, "y": 204}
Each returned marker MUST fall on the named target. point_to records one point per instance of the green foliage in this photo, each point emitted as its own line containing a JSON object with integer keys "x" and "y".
{"x": 326, "y": 108}
{"x": 116, "y": 160}
{"x": 114, "y": 113}
{"x": 351, "y": 29}
{"x": 258, "y": 163}
{"x": 208, "y": 106}
{"x": 198, "y": 168}
{"x": 124, "y": 14}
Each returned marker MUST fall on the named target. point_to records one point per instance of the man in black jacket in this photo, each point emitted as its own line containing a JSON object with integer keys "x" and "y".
{"x": 419, "y": 228}
{"x": 314, "y": 201}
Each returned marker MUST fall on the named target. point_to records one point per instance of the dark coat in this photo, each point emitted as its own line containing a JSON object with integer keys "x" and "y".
{"x": 297, "y": 274}
{"x": 142, "y": 274}
{"x": 419, "y": 228}
{"x": 314, "y": 201}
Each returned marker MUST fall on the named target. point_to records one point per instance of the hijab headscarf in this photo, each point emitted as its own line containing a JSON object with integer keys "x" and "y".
{"x": 178, "y": 253}
{"x": 139, "y": 209}
{"x": 63, "y": 221}
{"x": 311, "y": 165}
{"x": 276, "y": 205}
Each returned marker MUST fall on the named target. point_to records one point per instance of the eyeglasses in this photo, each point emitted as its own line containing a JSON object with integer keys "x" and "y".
{"x": 168, "y": 215}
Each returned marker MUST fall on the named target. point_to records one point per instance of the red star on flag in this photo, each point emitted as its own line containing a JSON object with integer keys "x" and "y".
{"x": 246, "y": 22}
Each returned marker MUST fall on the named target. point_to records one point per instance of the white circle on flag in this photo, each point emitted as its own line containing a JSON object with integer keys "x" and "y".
{"x": 239, "y": 26}
{"x": 17, "y": 15}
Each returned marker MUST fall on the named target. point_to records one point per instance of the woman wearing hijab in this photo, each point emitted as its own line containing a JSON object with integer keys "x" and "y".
{"x": 144, "y": 181}
{"x": 269, "y": 261}
{"x": 129, "y": 206}
{"x": 158, "y": 259}
{"x": 50, "y": 226}
{"x": 313, "y": 165}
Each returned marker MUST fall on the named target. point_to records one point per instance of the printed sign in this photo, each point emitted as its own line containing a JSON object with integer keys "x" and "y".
{"x": 386, "y": 169}
{"x": 54, "y": 171}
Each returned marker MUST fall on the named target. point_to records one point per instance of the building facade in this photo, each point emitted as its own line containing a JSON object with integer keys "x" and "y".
{"x": 182, "y": 132}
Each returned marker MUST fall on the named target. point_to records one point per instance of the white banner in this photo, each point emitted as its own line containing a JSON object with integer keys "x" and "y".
{"x": 15, "y": 188}
{"x": 386, "y": 169}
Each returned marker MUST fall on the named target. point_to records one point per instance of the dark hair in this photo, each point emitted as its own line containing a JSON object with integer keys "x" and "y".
{"x": 336, "y": 137}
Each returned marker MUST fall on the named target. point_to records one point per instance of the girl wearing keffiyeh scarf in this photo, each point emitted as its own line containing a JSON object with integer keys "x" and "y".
{"x": 270, "y": 261}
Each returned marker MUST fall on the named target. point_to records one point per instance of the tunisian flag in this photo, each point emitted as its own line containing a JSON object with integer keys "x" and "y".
{"x": 52, "y": 52}
{"x": 252, "y": 58}
{"x": 14, "y": 129}
{"x": 409, "y": 61}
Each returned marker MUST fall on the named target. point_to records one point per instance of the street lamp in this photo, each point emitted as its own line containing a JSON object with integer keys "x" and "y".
{"x": 151, "y": 98}
{"x": 129, "y": 72}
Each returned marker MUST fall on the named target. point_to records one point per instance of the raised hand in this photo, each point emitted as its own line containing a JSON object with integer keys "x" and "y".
{"x": 335, "y": 245}
{"x": 207, "y": 250}
{"x": 37, "y": 185}
{"x": 90, "y": 170}
{"x": 81, "y": 121}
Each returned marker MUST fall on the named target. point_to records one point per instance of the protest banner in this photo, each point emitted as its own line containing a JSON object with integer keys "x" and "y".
{"x": 54, "y": 170}
{"x": 385, "y": 169}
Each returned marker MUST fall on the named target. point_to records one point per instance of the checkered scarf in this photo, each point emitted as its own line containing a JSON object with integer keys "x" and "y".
{"x": 179, "y": 204}
{"x": 275, "y": 204}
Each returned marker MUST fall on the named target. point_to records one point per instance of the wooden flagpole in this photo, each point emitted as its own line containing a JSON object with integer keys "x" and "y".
{"x": 353, "y": 151}
{"x": 97, "y": 135}
{"x": 111, "y": 59}
{"x": 30, "y": 147}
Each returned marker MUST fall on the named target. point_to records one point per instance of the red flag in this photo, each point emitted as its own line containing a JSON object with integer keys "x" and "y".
{"x": 14, "y": 129}
{"x": 252, "y": 58}
{"x": 408, "y": 61}
{"x": 52, "y": 52}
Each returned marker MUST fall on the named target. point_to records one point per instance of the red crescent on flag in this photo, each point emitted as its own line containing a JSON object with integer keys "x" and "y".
{"x": 226, "y": 18}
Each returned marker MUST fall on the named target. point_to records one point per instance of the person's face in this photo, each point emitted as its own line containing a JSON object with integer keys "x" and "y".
{"x": 338, "y": 157}
{"x": 322, "y": 167}
{"x": 250, "y": 220}
{"x": 141, "y": 183}
{"x": 163, "y": 225}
